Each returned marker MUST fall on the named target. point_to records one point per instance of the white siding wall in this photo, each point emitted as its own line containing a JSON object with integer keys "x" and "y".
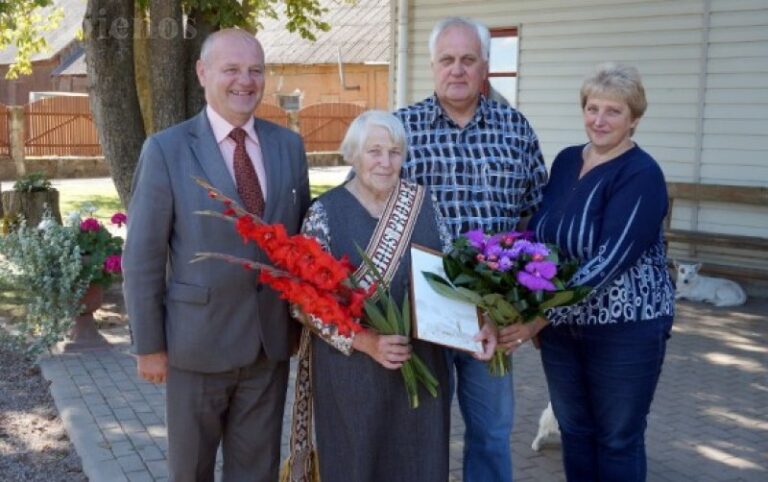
{"x": 704, "y": 65}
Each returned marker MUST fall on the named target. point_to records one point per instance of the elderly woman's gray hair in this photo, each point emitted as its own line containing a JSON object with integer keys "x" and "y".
{"x": 354, "y": 140}
{"x": 483, "y": 34}
{"x": 616, "y": 81}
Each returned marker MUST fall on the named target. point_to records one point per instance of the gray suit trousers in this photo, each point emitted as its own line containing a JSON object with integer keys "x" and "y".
{"x": 241, "y": 408}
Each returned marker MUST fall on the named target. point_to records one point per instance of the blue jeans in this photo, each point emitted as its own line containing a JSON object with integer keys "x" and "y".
{"x": 601, "y": 382}
{"x": 487, "y": 404}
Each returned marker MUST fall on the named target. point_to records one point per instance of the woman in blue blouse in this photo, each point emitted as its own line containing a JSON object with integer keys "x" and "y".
{"x": 604, "y": 206}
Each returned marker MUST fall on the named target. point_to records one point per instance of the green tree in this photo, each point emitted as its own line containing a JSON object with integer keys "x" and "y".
{"x": 140, "y": 57}
{"x": 22, "y": 26}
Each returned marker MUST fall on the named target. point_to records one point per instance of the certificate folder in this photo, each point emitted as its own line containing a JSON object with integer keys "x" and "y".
{"x": 438, "y": 319}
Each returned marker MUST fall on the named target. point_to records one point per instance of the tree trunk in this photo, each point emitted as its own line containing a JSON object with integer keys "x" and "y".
{"x": 108, "y": 28}
{"x": 166, "y": 55}
{"x": 31, "y": 205}
{"x": 141, "y": 63}
{"x": 198, "y": 28}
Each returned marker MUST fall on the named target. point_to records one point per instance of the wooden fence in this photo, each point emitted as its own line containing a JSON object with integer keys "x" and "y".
{"x": 63, "y": 126}
{"x": 272, "y": 113}
{"x": 323, "y": 125}
{"x": 60, "y": 126}
{"x": 5, "y": 141}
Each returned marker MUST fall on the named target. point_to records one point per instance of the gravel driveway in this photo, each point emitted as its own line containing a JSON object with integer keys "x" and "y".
{"x": 33, "y": 444}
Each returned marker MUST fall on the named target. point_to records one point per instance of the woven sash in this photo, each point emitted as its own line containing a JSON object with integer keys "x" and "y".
{"x": 392, "y": 236}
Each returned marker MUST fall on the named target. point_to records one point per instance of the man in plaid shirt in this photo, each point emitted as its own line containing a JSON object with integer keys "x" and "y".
{"x": 482, "y": 161}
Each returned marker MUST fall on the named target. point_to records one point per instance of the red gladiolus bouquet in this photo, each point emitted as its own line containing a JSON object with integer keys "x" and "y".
{"x": 302, "y": 272}
{"x": 309, "y": 277}
{"x": 322, "y": 286}
{"x": 510, "y": 277}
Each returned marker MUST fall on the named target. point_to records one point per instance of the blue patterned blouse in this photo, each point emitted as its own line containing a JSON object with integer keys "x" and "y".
{"x": 611, "y": 221}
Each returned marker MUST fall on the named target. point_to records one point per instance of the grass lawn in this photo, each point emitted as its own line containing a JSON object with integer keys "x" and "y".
{"x": 104, "y": 198}
{"x": 84, "y": 196}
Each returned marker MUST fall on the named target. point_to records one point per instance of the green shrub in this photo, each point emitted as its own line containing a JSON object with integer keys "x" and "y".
{"x": 33, "y": 182}
{"x": 45, "y": 263}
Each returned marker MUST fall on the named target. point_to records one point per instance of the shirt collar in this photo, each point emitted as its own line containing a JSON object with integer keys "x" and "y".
{"x": 435, "y": 111}
{"x": 222, "y": 128}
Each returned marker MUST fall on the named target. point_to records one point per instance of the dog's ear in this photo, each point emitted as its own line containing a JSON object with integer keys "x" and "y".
{"x": 697, "y": 266}
{"x": 675, "y": 264}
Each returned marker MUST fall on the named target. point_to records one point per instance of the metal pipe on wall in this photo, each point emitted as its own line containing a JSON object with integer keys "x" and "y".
{"x": 402, "y": 53}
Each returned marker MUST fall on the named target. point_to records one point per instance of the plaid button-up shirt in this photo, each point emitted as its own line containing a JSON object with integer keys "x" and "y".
{"x": 486, "y": 175}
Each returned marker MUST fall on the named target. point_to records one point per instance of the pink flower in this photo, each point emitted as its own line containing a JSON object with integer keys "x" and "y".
{"x": 113, "y": 264}
{"x": 90, "y": 224}
{"x": 508, "y": 239}
{"x": 119, "y": 219}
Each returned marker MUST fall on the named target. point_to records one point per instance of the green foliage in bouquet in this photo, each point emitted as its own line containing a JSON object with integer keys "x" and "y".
{"x": 508, "y": 276}
{"x": 384, "y": 316}
{"x": 500, "y": 293}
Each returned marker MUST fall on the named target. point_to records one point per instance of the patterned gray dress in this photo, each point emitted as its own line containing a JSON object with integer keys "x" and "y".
{"x": 365, "y": 429}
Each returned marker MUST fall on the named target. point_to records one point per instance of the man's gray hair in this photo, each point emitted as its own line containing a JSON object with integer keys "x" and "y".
{"x": 228, "y": 32}
{"x": 360, "y": 128}
{"x": 482, "y": 32}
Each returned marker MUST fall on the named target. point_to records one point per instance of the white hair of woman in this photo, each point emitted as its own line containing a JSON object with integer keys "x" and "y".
{"x": 354, "y": 140}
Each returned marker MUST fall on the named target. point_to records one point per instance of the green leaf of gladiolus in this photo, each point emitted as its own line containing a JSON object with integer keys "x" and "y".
{"x": 424, "y": 375}
{"x": 393, "y": 316}
{"x": 407, "y": 314}
{"x": 377, "y": 319}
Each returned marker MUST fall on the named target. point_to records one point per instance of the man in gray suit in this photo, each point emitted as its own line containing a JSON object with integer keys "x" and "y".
{"x": 218, "y": 339}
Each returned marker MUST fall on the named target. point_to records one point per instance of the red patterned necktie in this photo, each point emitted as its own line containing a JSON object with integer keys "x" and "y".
{"x": 247, "y": 180}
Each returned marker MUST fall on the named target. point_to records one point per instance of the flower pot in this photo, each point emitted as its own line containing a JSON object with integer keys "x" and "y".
{"x": 84, "y": 335}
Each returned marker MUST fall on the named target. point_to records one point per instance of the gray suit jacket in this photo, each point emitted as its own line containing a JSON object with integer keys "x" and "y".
{"x": 209, "y": 316}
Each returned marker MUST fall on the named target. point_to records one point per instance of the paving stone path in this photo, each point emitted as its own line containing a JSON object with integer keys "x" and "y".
{"x": 709, "y": 421}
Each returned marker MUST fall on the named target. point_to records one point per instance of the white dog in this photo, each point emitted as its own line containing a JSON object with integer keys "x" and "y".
{"x": 695, "y": 287}
{"x": 548, "y": 429}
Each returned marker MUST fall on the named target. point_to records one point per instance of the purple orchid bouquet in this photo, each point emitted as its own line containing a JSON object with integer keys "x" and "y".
{"x": 509, "y": 276}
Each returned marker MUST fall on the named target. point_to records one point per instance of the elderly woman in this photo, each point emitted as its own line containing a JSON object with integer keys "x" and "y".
{"x": 365, "y": 429}
{"x": 604, "y": 206}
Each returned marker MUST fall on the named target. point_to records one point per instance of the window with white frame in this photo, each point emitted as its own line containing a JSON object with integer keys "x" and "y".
{"x": 502, "y": 65}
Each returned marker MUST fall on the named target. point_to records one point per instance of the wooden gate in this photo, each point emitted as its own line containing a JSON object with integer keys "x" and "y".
{"x": 323, "y": 125}
{"x": 60, "y": 126}
{"x": 5, "y": 141}
{"x": 272, "y": 113}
